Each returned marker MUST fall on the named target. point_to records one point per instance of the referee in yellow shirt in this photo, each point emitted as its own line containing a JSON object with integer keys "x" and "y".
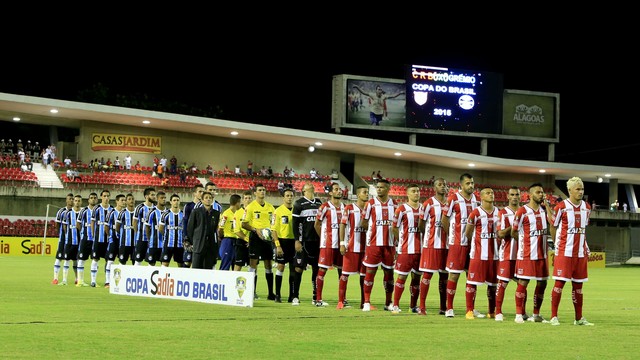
{"x": 257, "y": 217}
{"x": 227, "y": 252}
{"x": 284, "y": 241}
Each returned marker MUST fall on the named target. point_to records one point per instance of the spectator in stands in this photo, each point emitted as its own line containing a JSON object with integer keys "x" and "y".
{"x": 67, "y": 162}
{"x": 163, "y": 162}
{"x": 21, "y": 156}
{"x": 27, "y": 161}
{"x": 160, "y": 170}
{"x": 249, "y": 167}
{"x": 156, "y": 161}
{"x": 183, "y": 175}
{"x": 173, "y": 162}
{"x": 210, "y": 170}
{"x": 226, "y": 170}
{"x": 615, "y": 205}
{"x": 193, "y": 169}
{"x": 36, "y": 150}
{"x": 127, "y": 162}
{"x": 625, "y": 207}
{"x": 116, "y": 163}
{"x": 237, "y": 170}
{"x": 281, "y": 187}
{"x": 45, "y": 158}
{"x": 28, "y": 148}
{"x": 285, "y": 172}
{"x": 313, "y": 173}
{"x": 269, "y": 172}
{"x": 138, "y": 167}
{"x": 263, "y": 171}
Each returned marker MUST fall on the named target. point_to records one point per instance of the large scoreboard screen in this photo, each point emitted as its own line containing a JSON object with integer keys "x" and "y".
{"x": 445, "y": 99}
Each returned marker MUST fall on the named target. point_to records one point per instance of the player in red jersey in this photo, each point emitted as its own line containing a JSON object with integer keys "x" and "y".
{"x": 406, "y": 230}
{"x": 327, "y": 226}
{"x": 434, "y": 245}
{"x": 483, "y": 253}
{"x": 530, "y": 227}
{"x": 460, "y": 205}
{"x": 571, "y": 249}
{"x": 352, "y": 243}
{"x": 507, "y": 251}
{"x": 377, "y": 219}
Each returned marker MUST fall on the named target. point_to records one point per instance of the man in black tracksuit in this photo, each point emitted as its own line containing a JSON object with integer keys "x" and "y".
{"x": 307, "y": 239}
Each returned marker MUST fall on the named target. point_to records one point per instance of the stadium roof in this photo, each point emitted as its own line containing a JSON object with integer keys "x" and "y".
{"x": 36, "y": 110}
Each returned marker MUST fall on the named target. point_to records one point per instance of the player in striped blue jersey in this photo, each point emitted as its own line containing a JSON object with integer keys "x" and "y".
{"x": 61, "y": 237}
{"x": 86, "y": 236}
{"x": 171, "y": 227}
{"x": 139, "y": 216}
{"x": 126, "y": 231}
{"x": 151, "y": 227}
{"x": 99, "y": 220}
{"x": 113, "y": 245}
{"x": 72, "y": 239}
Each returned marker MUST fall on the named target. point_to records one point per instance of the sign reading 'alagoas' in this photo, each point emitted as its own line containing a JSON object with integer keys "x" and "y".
{"x": 126, "y": 143}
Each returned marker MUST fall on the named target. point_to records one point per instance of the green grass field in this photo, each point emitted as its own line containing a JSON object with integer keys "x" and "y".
{"x": 43, "y": 321}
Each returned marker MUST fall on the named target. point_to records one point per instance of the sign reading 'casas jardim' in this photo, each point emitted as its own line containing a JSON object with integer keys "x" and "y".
{"x": 126, "y": 143}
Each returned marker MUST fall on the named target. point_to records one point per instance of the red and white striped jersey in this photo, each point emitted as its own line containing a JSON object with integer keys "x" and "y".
{"x": 330, "y": 216}
{"x": 354, "y": 234}
{"x": 380, "y": 217}
{"x": 532, "y": 228}
{"x": 434, "y": 234}
{"x": 484, "y": 244}
{"x": 571, "y": 234}
{"x": 459, "y": 210}
{"x": 508, "y": 245}
{"x": 406, "y": 220}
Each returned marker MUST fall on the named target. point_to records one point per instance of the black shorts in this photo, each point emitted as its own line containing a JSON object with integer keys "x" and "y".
{"x": 288, "y": 249}
{"x": 84, "y": 249}
{"x": 113, "y": 249}
{"x": 187, "y": 256}
{"x": 124, "y": 253}
{"x": 99, "y": 250}
{"x": 260, "y": 249}
{"x": 177, "y": 253}
{"x": 60, "y": 252}
{"x": 70, "y": 252}
{"x": 242, "y": 253}
{"x": 141, "y": 250}
{"x": 308, "y": 255}
{"x": 153, "y": 255}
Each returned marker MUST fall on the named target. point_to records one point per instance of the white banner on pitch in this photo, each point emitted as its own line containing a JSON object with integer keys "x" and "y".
{"x": 211, "y": 286}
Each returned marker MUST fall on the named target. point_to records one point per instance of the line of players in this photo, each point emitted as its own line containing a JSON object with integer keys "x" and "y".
{"x": 447, "y": 236}
{"x": 150, "y": 232}
{"x": 462, "y": 233}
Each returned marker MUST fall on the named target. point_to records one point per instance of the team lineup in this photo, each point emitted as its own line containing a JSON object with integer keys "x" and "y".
{"x": 462, "y": 233}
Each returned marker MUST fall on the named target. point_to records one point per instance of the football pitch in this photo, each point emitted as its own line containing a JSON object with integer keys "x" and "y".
{"x": 43, "y": 321}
